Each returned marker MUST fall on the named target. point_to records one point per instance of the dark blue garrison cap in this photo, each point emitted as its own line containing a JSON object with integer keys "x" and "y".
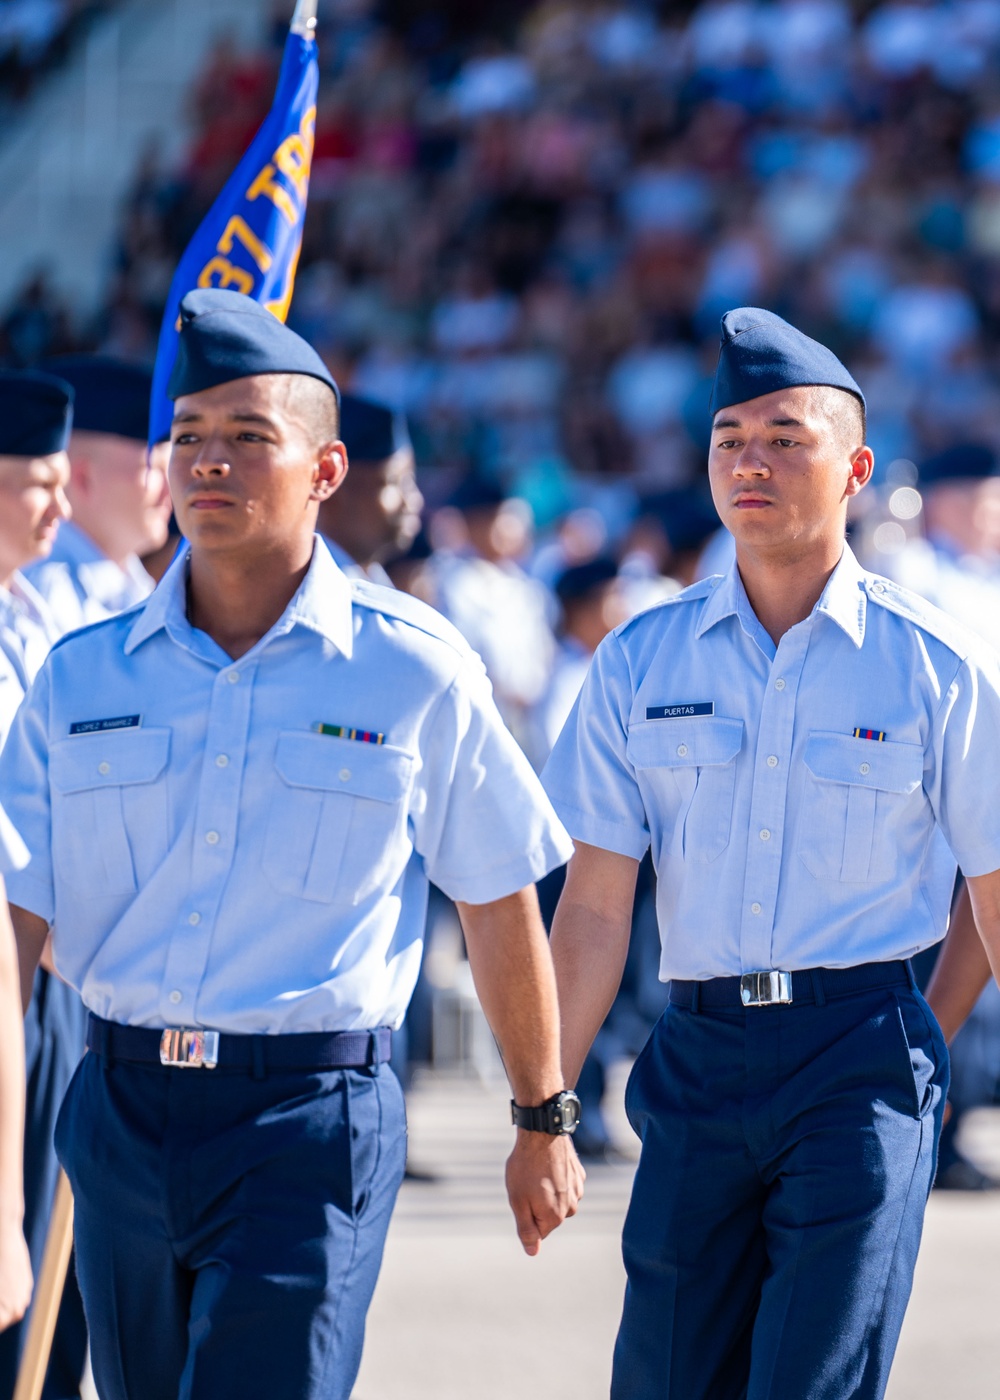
{"x": 112, "y": 396}
{"x": 581, "y": 580}
{"x": 965, "y": 461}
{"x": 36, "y": 413}
{"x": 761, "y": 353}
{"x": 370, "y": 431}
{"x": 226, "y": 335}
{"x": 475, "y": 492}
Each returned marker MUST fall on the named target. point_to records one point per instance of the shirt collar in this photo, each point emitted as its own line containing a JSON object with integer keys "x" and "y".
{"x": 844, "y": 599}
{"x": 322, "y": 603}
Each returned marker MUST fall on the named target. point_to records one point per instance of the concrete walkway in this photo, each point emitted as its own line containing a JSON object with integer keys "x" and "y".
{"x": 461, "y": 1314}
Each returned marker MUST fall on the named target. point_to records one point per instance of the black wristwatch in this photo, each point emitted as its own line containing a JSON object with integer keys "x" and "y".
{"x": 557, "y": 1115}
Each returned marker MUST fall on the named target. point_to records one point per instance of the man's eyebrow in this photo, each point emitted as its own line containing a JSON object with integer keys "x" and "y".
{"x": 771, "y": 423}
{"x": 252, "y": 418}
{"x": 233, "y": 418}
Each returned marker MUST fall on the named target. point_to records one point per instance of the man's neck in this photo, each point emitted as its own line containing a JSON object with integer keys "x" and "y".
{"x": 103, "y": 546}
{"x": 236, "y": 600}
{"x": 783, "y": 591}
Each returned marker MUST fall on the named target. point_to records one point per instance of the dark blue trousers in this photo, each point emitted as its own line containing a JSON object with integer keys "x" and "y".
{"x": 787, "y": 1154}
{"x": 229, "y": 1229}
{"x": 54, "y": 1030}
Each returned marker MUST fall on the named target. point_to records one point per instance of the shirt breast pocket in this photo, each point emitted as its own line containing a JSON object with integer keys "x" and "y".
{"x": 110, "y": 814}
{"x": 687, "y": 769}
{"x": 336, "y": 826}
{"x": 856, "y": 794}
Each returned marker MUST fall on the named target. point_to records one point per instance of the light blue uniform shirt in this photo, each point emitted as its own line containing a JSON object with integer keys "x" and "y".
{"x": 780, "y": 839}
{"x": 27, "y": 631}
{"x": 208, "y": 859}
{"x": 81, "y": 585}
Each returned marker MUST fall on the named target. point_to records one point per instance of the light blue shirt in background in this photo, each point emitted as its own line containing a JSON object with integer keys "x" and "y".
{"x": 27, "y": 631}
{"x": 780, "y": 839}
{"x": 81, "y": 585}
{"x": 206, "y": 858}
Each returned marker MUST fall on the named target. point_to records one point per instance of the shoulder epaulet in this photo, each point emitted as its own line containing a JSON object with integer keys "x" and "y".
{"x": 694, "y": 593}
{"x": 404, "y": 607}
{"x": 126, "y": 615}
{"x": 885, "y": 593}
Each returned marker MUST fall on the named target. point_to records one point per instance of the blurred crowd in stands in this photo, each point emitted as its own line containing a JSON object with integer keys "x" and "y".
{"x": 34, "y": 36}
{"x": 526, "y": 238}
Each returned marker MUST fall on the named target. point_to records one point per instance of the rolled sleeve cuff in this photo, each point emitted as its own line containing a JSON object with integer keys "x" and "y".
{"x": 595, "y": 831}
{"x": 507, "y": 879}
{"x": 31, "y": 894}
{"x": 980, "y": 860}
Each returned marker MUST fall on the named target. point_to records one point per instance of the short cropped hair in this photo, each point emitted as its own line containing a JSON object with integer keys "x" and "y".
{"x": 316, "y": 405}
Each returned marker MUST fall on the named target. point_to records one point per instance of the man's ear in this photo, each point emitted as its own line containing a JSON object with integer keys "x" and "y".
{"x": 330, "y": 470}
{"x": 80, "y": 474}
{"x": 862, "y": 466}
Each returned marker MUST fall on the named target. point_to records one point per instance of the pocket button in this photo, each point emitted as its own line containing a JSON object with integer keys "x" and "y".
{"x": 866, "y": 768}
{"x": 682, "y": 750}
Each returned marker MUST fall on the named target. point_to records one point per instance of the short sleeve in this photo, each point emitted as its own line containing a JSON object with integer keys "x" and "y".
{"x": 481, "y": 821}
{"x": 961, "y": 774}
{"x": 13, "y": 851}
{"x": 24, "y": 790}
{"x": 588, "y": 776}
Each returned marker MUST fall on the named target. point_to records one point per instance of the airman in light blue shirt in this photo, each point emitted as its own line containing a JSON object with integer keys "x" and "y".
{"x": 235, "y": 794}
{"x": 809, "y": 751}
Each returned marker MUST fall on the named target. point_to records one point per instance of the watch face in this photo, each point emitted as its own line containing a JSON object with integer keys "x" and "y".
{"x": 570, "y": 1109}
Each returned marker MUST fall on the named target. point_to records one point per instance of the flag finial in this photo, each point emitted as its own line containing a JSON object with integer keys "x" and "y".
{"x": 304, "y": 18}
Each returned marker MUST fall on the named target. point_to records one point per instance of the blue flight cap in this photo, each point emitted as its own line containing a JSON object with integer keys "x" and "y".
{"x": 963, "y": 461}
{"x": 370, "y": 431}
{"x": 579, "y": 581}
{"x": 226, "y": 335}
{"x": 687, "y": 516}
{"x": 111, "y": 396}
{"x": 36, "y": 413}
{"x": 475, "y": 492}
{"x": 761, "y": 353}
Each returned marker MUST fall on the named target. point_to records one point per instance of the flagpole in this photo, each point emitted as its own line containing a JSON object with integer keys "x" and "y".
{"x": 304, "y": 19}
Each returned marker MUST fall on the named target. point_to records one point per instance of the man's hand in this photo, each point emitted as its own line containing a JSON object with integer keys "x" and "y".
{"x": 15, "y": 1275}
{"x": 544, "y": 1185}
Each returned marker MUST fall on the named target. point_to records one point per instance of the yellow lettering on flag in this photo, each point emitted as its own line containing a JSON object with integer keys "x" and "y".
{"x": 239, "y": 228}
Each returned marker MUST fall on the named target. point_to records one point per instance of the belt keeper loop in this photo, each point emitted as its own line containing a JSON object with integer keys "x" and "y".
{"x": 910, "y": 976}
{"x": 819, "y": 991}
{"x": 696, "y": 997}
{"x": 105, "y": 1042}
{"x": 257, "y": 1057}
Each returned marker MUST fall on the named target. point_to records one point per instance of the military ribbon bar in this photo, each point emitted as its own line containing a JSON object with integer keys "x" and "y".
{"x": 341, "y": 731}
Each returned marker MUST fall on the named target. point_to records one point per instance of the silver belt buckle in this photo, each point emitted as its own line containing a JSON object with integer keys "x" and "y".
{"x": 766, "y": 988}
{"x": 189, "y": 1049}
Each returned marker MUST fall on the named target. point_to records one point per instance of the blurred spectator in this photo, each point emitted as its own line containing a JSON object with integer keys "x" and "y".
{"x": 477, "y": 581}
{"x": 34, "y": 35}
{"x": 592, "y": 602}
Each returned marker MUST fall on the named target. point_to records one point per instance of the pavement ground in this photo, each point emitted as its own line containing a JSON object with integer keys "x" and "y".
{"x": 460, "y": 1313}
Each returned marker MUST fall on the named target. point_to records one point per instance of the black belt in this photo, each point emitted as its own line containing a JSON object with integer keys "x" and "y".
{"x": 190, "y": 1049}
{"x": 812, "y": 987}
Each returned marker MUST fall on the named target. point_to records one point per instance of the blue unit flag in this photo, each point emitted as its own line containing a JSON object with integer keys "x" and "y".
{"x": 250, "y": 239}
